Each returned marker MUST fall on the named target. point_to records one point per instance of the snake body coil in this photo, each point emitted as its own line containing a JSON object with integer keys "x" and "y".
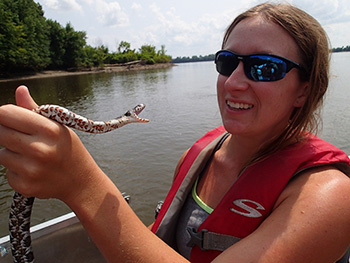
{"x": 19, "y": 221}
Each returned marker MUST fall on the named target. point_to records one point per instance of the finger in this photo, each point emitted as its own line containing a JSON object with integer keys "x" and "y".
{"x": 18, "y": 185}
{"x": 24, "y": 99}
{"x": 9, "y": 159}
{"x": 11, "y": 179}
{"x": 16, "y": 118}
{"x": 21, "y": 173}
{"x": 13, "y": 140}
{"x": 24, "y": 120}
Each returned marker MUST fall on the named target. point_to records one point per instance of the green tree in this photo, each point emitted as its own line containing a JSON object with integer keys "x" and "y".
{"x": 119, "y": 58}
{"x": 28, "y": 41}
{"x": 148, "y": 53}
{"x": 124, "y": 47}
{"x": 210, "y": 57}
{"x": 100, "y": 56}
{"x": 23, "y": 33}
{"x": 74, "y": 47}
{"x": 57, "y": 38}
{"x": 10, "y": 38}
{"x": 161, "y": 56}
{"x": 341, "y": 49}
{"x": 36, "y": 32}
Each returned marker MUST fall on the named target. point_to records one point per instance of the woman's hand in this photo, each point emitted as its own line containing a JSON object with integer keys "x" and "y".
{"x": 46, "y": 159}
{"x": 43, "y": 158}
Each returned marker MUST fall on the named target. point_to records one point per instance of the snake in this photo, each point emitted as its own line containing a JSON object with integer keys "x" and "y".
{"x": 21, "y": 207}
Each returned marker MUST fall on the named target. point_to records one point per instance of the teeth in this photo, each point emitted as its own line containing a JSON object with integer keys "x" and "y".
{"x": 239, "y": 106}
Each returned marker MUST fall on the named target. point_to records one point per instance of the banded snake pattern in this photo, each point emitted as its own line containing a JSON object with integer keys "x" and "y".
{"x": 19, "y": 221}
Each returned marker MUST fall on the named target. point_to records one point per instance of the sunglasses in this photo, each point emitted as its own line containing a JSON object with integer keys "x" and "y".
{"x": 257, "y": 67}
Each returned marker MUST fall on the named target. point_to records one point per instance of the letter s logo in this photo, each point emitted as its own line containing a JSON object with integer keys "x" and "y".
{"x": 251, "y": 212}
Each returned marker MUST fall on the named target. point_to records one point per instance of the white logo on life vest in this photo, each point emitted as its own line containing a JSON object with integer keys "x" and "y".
{"x": 251, "y": 212}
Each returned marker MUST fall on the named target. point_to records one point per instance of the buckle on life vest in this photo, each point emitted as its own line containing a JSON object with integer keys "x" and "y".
{"x": 206, "y": 240}
{"x": 197, "y": 238}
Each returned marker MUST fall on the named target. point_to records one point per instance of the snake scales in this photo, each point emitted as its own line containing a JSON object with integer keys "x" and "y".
{"x": 19, "y": 222}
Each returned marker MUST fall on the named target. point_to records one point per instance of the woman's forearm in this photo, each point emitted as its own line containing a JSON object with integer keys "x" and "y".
{"x": 115, "y": 228}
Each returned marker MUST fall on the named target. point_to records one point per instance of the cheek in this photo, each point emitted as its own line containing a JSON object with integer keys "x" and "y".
{"x": 220, "y": 82}
{"x": 277, "y": 102}
{"x": 220, "y": 89}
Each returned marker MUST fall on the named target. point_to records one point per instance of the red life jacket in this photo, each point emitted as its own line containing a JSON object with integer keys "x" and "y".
{"x": 251, "y": 198}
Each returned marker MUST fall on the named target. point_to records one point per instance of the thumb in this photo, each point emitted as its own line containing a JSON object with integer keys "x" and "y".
{"x": 23, "y": 98}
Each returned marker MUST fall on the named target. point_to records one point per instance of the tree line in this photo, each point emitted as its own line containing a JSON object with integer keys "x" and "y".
{"x": 200, "y": 58}
{"x": 341, "y": 49}
{"x": 211, "y": 57}
{"x": 30, "y": 42}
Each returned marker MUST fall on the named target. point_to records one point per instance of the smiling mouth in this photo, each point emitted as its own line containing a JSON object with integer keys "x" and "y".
{"x": 239, "y": 106}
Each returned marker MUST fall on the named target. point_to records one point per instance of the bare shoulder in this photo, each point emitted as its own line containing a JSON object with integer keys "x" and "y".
{"x": 318, "y": 203}
{"x": 324, "y": 191}
{"x": 322, "y": 183}
{"x": 309, "y": 223}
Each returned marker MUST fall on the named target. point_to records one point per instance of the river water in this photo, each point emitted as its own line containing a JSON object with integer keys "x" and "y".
{"x": 181, "y": 105}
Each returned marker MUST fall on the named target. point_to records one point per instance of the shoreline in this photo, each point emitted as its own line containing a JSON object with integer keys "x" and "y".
{"x": 105, "y": 69}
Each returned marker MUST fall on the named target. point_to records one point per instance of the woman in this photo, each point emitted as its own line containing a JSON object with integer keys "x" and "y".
{"x": 274, "y": 192}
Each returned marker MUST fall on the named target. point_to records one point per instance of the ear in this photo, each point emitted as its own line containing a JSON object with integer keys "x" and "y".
{"x": 302, "y": 95}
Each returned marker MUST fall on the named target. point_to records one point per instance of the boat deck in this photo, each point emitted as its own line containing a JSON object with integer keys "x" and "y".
{"x": 62, "y": 239}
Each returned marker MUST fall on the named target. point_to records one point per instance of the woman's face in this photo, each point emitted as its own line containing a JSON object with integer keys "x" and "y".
{"x": 259, "y": 109}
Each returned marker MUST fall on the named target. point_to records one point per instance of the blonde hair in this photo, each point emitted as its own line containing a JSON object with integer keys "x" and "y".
{"x": 313, "y": 45}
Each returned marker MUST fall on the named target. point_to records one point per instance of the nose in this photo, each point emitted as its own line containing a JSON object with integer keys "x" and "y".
{"x": 237, "y": 80}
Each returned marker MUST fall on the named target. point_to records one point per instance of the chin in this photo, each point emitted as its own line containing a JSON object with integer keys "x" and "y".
{"x": 232, "y": 128}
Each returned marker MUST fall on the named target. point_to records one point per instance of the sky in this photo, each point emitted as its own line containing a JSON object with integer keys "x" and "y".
{"x": 184, "y": 27}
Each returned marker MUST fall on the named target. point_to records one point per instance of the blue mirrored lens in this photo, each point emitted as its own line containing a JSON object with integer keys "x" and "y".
{"x": 264, "y": 68}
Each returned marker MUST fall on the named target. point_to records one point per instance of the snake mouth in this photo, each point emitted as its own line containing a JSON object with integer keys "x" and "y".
{"x": 135, "y": 112}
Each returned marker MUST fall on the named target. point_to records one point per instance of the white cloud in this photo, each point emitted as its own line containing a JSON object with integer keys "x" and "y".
{"x": 326, "y": 11}
{"x": 136, "y": 7}
{"x": 185, "y": 27}
{"x": 206, "y": 32}
{"x": 336, "y": 34}
{"x": 333, "y": 15}
{"x": 110, "y": 13}
{"x": 63, "y": 5}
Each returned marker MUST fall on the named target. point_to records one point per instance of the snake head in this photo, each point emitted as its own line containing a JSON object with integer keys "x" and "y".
{"x": 133, "y": 114}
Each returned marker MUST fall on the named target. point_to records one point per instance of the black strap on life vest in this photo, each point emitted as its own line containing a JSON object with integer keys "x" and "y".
{"x": 206, "y": 240}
